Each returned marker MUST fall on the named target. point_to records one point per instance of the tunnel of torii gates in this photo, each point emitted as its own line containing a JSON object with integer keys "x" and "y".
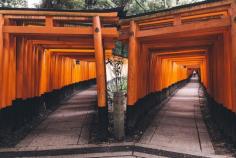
{"x": 45, "y": 50}
{"x": 165, "y": 47}
{"x": 40, "y": 50}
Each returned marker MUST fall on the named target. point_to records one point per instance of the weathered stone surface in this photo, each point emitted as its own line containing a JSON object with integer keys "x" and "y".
{"x": 177, "y": 128}
{"x": 181, "y": 127}
{"x": 68, "y": 125}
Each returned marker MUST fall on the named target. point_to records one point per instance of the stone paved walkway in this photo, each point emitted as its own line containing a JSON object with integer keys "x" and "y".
{"x": 177, "y": 129}
{"x": 68, "y": 125}
{"x": 179, "y": 126}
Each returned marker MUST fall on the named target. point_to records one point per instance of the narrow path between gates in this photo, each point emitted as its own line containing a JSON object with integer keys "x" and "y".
{"x": 177, "y": 130}
{"x": 179, "y": 126}
{"x": 68, "y": 125}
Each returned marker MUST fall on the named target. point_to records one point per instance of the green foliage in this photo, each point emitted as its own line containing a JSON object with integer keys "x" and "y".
{"x": 132, "y": 7}
{"x": 13, "y": 3}
{"x": 62, "y": 4}
{"x": 120, "y": 49}
{"x": 156, "y": 5}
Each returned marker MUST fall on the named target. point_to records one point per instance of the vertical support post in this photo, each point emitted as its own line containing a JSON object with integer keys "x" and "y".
{"x": 227, "y": 69}
{"x": 12, "y": 70}
{"x": 132, "y": 66}
{"x": 49, "y": 21}
{"x": 233, "y": 62}
{"x": 1, "y": 56}
{"x": 177, "y": 20}
{"x": 20, "y": 66}
{"x": 6, "y": 66}
{"x": 101, "y": 76}
{"x": 132, "y": 78}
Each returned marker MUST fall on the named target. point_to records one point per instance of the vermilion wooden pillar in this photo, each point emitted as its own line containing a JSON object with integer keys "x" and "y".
{"x": 100, "y": 75}
{"x": 20, "y": 67}
{"x": 132, "y": 77}
{"x": 11, "y": 93}
{"x": 132, "y": 66}
{"x": 1, "y": 57}
{"x": 227, "y": 69}
{"x": 5, "y": 81}
{"x": 233, "y": 34}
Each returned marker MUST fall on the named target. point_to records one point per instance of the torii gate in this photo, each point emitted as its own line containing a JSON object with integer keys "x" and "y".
{"x": 39, "y": 49}
{"x": 165, "y": 46}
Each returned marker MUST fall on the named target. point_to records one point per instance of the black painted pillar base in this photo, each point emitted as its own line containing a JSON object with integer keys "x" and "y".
{"x": 17, "y": 118}
{"x": 130, "y": 119}
{"x": 103, "y": 123}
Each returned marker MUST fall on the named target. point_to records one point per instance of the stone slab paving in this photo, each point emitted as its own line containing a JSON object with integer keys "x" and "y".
{"x": 68, "y": 125}
{"x": 179, "y": 126}
{"x": 91, "y": 156}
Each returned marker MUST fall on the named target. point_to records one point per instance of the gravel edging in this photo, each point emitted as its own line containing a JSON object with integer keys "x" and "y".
{"x": 221, "y": 144}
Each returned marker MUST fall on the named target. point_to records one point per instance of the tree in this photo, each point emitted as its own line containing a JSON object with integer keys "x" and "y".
{"x": 132, "y": 7}
{"x": 13, "y": 3}
{"x": 183, "y": 2}
{"x": 121, "y": 49}
{"x": 62, "y": 4}
{"x": 156, "y": 5}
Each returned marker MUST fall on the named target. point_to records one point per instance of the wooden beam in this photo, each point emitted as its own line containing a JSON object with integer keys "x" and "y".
{"x": 222, "y": 13}
{"x": 65, "y": 42}
{"x": 78, "y": 51}
{"x": 73, "y": 50}
{"x": 106, "y": 32}
{"x": 177, "y": 43}
{"x": 78, "y": 57}
{"x": 72, "y": 44}
{"x": 83, "y": 57}
{"x": 70, "y": 53}
{"x": 184, "y": 55}
{"x": 200, "y": 26}
{"x": 180, "y": 51}
{"x": 59, "y": 46}
{"x": 48, "y": 30}
{"x": 100, "y": 62}
{"x": 170, "y": 39}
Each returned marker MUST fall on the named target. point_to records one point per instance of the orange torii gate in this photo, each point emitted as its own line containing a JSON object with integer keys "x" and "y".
{"x": 165, "y": 46}
{"x": 42, "y": 51}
